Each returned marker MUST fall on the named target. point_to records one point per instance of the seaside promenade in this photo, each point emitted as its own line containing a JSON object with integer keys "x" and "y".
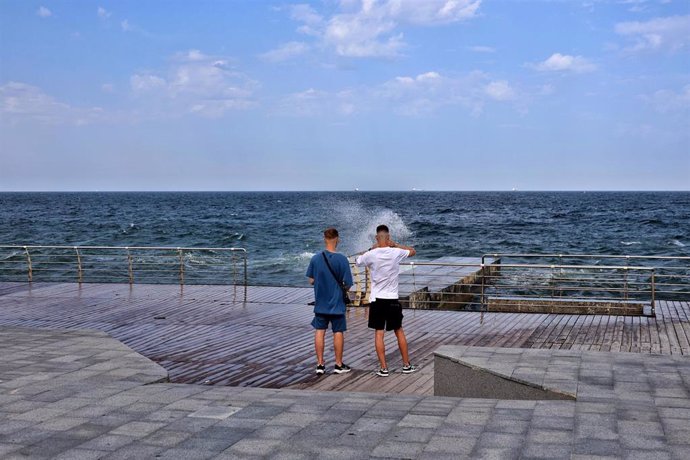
{"x": 159, "y": 371}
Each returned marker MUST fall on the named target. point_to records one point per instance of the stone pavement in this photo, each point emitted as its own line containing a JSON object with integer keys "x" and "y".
{"x": 83, "y": 395}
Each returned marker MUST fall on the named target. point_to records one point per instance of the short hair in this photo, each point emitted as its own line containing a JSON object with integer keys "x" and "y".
{"x": 330, "y": 233}
{"x": 382, "y": 228}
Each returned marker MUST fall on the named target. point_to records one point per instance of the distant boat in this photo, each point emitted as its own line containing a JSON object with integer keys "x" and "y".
{"x": 356, "y": 189}
{"x": 514, "y": 189}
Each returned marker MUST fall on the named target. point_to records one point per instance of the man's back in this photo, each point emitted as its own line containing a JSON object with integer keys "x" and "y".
{"x": 327, "y": 291}
{"x": 384, "y": 264}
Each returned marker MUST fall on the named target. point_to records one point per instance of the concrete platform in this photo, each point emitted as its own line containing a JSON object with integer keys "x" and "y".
{"x": 81, "y": 394}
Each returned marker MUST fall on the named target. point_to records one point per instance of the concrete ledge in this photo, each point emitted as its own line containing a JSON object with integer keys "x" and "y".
{"x": 454, "y": 376}
{"x": 568, "y": 306}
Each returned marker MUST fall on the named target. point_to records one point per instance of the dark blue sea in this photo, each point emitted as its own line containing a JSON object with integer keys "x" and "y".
{"x": 281, "y": 231}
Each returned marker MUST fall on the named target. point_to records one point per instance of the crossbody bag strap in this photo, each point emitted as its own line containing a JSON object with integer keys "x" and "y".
{"x": 330, "y": 268}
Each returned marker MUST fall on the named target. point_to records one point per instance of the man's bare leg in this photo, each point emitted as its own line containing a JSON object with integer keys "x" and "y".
{"x": 402, "y": 345}
{"x": 319, "y": 344}
{"x": 338, "y": 341}
{"x": 380, "y": 348}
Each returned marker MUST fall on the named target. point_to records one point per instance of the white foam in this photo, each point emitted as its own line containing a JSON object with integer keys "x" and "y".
{"x": 678, "y": 243}
{"x": 630, "y": 243}
{"x": 357, "y": 225}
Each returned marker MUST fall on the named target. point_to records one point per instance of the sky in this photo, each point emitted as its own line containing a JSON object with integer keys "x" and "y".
{"x": 345, "y": 94}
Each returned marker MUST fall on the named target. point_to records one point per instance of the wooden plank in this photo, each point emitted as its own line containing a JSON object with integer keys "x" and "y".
{"x": 205, "y": 335}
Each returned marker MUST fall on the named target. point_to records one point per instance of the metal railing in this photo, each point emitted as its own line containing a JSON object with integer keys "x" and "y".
{"x": 671, "y": 273}
{"x": 539, "y": 283}
{"x": 131, "y": 264}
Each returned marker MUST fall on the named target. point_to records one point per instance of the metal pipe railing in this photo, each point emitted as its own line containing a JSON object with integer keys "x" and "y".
{"x": 140, "y": 264}
{"x": 429, "y": 284}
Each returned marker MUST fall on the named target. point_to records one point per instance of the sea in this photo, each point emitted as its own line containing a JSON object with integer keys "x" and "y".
{"x": 281, "y": 231}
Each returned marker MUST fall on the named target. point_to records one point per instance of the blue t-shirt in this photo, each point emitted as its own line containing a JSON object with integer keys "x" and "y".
{"x": 327, "y": 291}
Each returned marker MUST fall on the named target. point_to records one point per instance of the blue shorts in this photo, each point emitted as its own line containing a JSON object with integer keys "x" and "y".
{"x": 338, "y": 323}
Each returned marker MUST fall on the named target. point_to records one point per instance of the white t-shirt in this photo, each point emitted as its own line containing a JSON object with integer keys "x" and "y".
{"x": 384, "y": 264}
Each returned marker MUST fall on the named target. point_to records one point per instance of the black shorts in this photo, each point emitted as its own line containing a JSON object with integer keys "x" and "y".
{"x": 385, "y": 314}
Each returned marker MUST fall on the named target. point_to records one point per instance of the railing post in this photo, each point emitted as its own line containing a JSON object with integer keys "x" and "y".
{"x": 625, "y": 283}
{"x": 181, "y": 254}
{"x": 483, "y": 274}
{"x": 245, "y": 276}
{"x": 653, "y": 293}
{"x": 130, "y": 268}
{"x": 28, "y": 260}
{"x": 79, "y": 268}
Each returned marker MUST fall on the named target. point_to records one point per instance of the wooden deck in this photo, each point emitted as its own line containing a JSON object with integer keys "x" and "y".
{"x": 201, "y": 335}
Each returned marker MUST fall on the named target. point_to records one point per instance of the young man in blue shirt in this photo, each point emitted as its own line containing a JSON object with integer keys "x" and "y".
{"x": 330, "y": 305}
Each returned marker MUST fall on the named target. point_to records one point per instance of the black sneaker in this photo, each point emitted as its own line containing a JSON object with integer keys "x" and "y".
{"x": 410, "y": 368}
{"x": 343, "y": 368}
{"x": 320, "y": 369}
{"x": 382, "y": 372}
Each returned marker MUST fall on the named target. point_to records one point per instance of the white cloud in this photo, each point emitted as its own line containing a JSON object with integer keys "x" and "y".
{"x": 196, "y": 83}
{"x": 666, "y": 101}
{"x": 407, "y": 95}
{"x": 500, "y": 91}
{"x": 103, "y": 13}
{"x": 313, "y": 102}
{"x": 669, "y": 33}
{"x": 125, "y": 25}
{"x": 147, "y": 82}
{"x": 44, "y": 12}
{"x": 285, "y": 52}
{"x": 23, "y": 102}
{"x": 371, "y": 28}
{"x": 482, "y": 49}
{"x": 107, "y": 87}
{"x": 558, "y": 62}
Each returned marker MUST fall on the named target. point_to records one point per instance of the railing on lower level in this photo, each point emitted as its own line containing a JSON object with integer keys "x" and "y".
{"x": 671, "y": 273}
{"x": 132, "y": 264}
{"x": 500, "y": 282}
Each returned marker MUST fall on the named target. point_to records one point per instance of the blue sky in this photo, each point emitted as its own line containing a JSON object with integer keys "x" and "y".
{"x": 333, "y": 95}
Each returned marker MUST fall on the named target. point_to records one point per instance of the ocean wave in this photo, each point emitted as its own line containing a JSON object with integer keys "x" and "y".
{"x": 677, "y": 243}
{"x": 630, "y": 243}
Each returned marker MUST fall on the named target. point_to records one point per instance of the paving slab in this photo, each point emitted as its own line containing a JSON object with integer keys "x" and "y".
{"x": 81, "y": 394}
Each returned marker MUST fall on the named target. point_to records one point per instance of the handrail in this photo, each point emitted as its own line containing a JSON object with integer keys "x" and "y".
{"x": 590, "y": 256}
{"x": 141, "y": 264}
{"x": 435, "y": 284}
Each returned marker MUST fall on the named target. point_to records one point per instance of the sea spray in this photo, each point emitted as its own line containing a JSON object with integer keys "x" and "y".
{"x": 357, "y": 225}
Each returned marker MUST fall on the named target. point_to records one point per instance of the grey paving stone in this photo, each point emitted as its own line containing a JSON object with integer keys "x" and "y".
{"x": 12, "y": 426}
{"x": 137, "y": 429}
{"x": 421, "y": 421}
{"x": 647, "y": 455}
{"x": 166, "y": 438}
{"x": 253, "y": 446}
{"x": 451, "y": 445}
{"x": 506, "y": 425}
{"x": 274, "y": 432}
{"x": 8, "y": 448}
{"x": 544, "y": 436}
{"x": 216, "y": 445}
{"x": 50, "y": 446}
{"x": 495, "y": 453}
{"x": 81, "y": 454}
{"x": 500, "y": 440}
{"x": 286, "y": 455}
{"x": 396, "y": 449}
{"x": 602, "y": 447}
{"x": 546, "y": 451}
{"x": 290, "y": 418}
{"x": 216, "y": 412}
{"x": 134, "y": 450}
{"x": 107, "y": 442}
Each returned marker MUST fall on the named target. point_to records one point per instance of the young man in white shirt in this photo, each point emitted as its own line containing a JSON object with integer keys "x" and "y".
{"x": 385, "y": 313}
